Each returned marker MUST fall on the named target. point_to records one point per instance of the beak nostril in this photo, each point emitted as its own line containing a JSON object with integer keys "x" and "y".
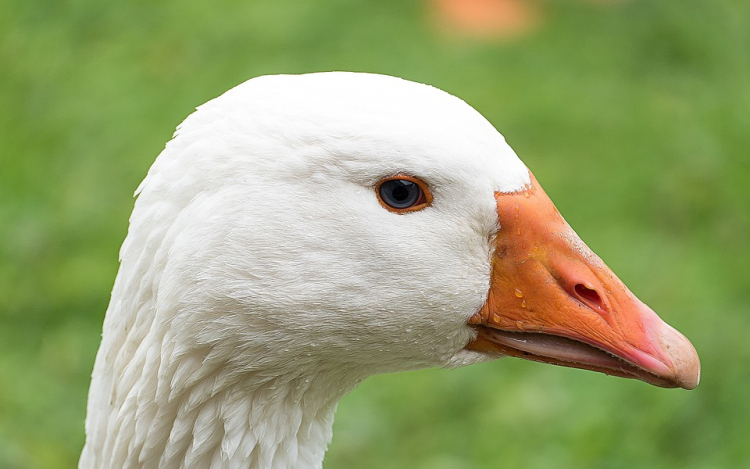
{"x": 589, "y": 296}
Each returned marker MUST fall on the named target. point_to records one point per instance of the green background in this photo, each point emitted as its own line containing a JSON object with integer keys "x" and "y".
{"x": 634, "y": 115}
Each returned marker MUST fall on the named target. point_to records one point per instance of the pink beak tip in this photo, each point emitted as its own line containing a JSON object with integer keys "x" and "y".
{"x": 685, "y": 362}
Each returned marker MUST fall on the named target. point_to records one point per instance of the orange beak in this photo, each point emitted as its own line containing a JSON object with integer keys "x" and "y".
{"x": 552, "y": 300}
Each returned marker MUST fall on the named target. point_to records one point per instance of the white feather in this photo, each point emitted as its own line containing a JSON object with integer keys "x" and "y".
{"x": 261, "y": 280}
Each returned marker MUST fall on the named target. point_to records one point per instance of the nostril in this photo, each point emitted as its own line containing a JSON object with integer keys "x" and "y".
{"x": 589, "y": 296}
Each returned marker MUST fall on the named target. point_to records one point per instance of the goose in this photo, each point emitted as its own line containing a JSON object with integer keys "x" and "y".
{"x": 300, "y": 233}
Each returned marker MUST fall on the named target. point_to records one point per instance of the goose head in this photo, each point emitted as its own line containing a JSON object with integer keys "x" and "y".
{"x": 282, "y": 239}
{"x": 357, "y": 224}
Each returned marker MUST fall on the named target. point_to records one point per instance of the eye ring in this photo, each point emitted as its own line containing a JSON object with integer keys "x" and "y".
{"x": 402, "y": 194}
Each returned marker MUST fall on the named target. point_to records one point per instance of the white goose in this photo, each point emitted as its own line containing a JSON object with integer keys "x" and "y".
{"x": 301, "y": 233}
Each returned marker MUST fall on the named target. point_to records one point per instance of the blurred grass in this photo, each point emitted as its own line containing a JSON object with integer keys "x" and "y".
{"x": 633, "y": 114}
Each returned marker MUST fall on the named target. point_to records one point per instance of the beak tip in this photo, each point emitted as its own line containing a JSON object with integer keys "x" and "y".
{"x": 685, "y": 362}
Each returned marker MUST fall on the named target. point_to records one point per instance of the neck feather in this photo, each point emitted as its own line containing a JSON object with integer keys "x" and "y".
{"x": 211, "y": 419}
{"x": 157, "y": 401}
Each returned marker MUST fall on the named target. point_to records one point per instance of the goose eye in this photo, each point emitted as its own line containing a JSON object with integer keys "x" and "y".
{"x": 403, "y": 194}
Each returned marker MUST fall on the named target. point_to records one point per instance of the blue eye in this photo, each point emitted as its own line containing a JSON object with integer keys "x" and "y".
{"x": 403, "y": 194}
